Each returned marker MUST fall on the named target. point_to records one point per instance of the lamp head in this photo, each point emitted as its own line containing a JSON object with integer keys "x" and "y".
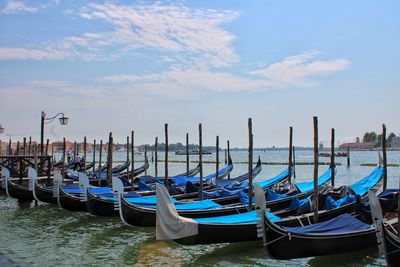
{"x": 63, "y": 120}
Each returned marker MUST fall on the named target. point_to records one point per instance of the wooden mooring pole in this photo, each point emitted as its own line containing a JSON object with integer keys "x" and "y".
{"x": 63, "y": 159}
{"x": 145, "y": 158}
{"x": 217, "y": 159}
{"x": 315, "y": 200}
{"x": 127, "y": 152}
{"x": 333, "y": 166}
{"x": 290, "y": 153}
{"x": 294, "y": 163}
{"x": 24, "y": 150}
{"x": 109, "y": 159}
{"x": 30, "y": 146}
{"x": 84, "y": 154}
{"x": 187, "y": 154}
{"x": 398, "y": 211}
{"x": 75, "y": 150}
{"x": 348, "y": 156}
{"x": 94, "y": 155}
{"x": 201, "y": 160}
{"x": 384, "y": 158}
{"x": 250, "y": 128}
{"x": 156, "y": 157}
{"x": 9, "y": 148}
{"x": 229, "y": 156}
{"x": 133, "y": 159}
{"x": 166, "y": 180}
{"x": 100, "y": 159}
{"x": 47, "y": 147}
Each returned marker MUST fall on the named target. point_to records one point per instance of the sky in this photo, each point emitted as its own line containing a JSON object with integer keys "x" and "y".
{"x": 117, "y": 66}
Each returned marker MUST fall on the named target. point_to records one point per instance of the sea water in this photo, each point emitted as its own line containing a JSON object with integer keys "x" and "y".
{"x": 45, "y": 235}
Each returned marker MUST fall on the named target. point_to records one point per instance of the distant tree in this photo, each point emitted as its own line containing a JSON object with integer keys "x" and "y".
{"x": 370, "y": 137}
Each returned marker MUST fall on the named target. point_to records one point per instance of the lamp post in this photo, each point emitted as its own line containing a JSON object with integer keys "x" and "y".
{"x": 44, "y": 120}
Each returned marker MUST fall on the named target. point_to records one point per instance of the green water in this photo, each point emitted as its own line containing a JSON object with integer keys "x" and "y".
{"x": 45, "y": 235}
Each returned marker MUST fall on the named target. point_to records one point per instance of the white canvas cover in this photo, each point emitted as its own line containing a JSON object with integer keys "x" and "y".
{"x": 32, "y": 175}
{"x": 169, "y": 225}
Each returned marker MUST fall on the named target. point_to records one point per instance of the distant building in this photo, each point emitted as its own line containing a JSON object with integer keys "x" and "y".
{"x": 395, "y": 142}
{"x": 321, "y": 146}
{"x": 358, "y": 146}
{"x": 58, "y": 146}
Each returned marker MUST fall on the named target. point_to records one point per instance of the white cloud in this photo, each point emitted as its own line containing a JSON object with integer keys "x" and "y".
{"x": 18, "y": 7}
{"x": 296, "y": 70}
{"x": 165, "y": 28}
{"x": 10, "y": 53}
{"x": 180, "y": 34}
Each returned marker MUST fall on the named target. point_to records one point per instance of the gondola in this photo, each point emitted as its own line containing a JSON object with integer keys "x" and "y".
{"x": 66, "y": 200}
{"x": 231, "y": 204}
{"x": 392, "y": 245}
{"x": 44, "y": 193}
{"x": 101, "y": 205}
{"x": 341, "y": 234}
{"x": 20, "y": 192}
{"x": 145, "y": 215}
{"x": 14, "y": 190}
{"x": 243, "y": 227}
{"x": 387, "y": 234}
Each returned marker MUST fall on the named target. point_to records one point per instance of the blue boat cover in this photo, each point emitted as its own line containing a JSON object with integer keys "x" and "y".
{"x": 272, "y": 181}
{"x": 212, "y": 194}
{"x": 110, "y": 196}
{"x": 361, "y": 187}
{"x": 143, "y": 186}
{"x": 332, "y": 204}
{"x": 242, "y": 218}
{"x": 341, "y": 224}
{"x": 299, "y": 203}
{"x": 147, "y": 200}
{"x": 198, "y": 205}
{"x": 387, "y": 192}
{"x": 272, "y": 195}
{"x": 244, "y": 198}
{"x": 233, "y": 183}
{"x": 77, "y": 190}
{"x": 307, "y": 186}
{"x": 181, "y": 180}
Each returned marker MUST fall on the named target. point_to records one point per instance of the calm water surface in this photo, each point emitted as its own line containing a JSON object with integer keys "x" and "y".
{"x": 44, "y": 235}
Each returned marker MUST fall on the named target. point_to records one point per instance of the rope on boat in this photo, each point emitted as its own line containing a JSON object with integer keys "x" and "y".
{"x": 301, "y": 223}
{"x": 279, "y": 238}
{"x": 391, "y": 226}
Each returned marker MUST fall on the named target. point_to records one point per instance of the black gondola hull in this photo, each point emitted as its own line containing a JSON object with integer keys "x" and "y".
{"x": 214, "y": 233}
{"x": 70, "y": 202}
{"x": 44, "y": 194}
{"x": 146, "y": 217}
{"x": 20, "y": 192}
{"x": 99, "y": 206}
{"x": 392, "y": 244}
{"x": 284, "y": 247}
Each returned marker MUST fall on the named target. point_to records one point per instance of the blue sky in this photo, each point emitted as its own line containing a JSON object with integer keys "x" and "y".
{"x": 123, "y": 65}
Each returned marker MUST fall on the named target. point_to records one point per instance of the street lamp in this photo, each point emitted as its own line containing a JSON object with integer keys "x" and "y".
{"x": 44, "y": 120}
